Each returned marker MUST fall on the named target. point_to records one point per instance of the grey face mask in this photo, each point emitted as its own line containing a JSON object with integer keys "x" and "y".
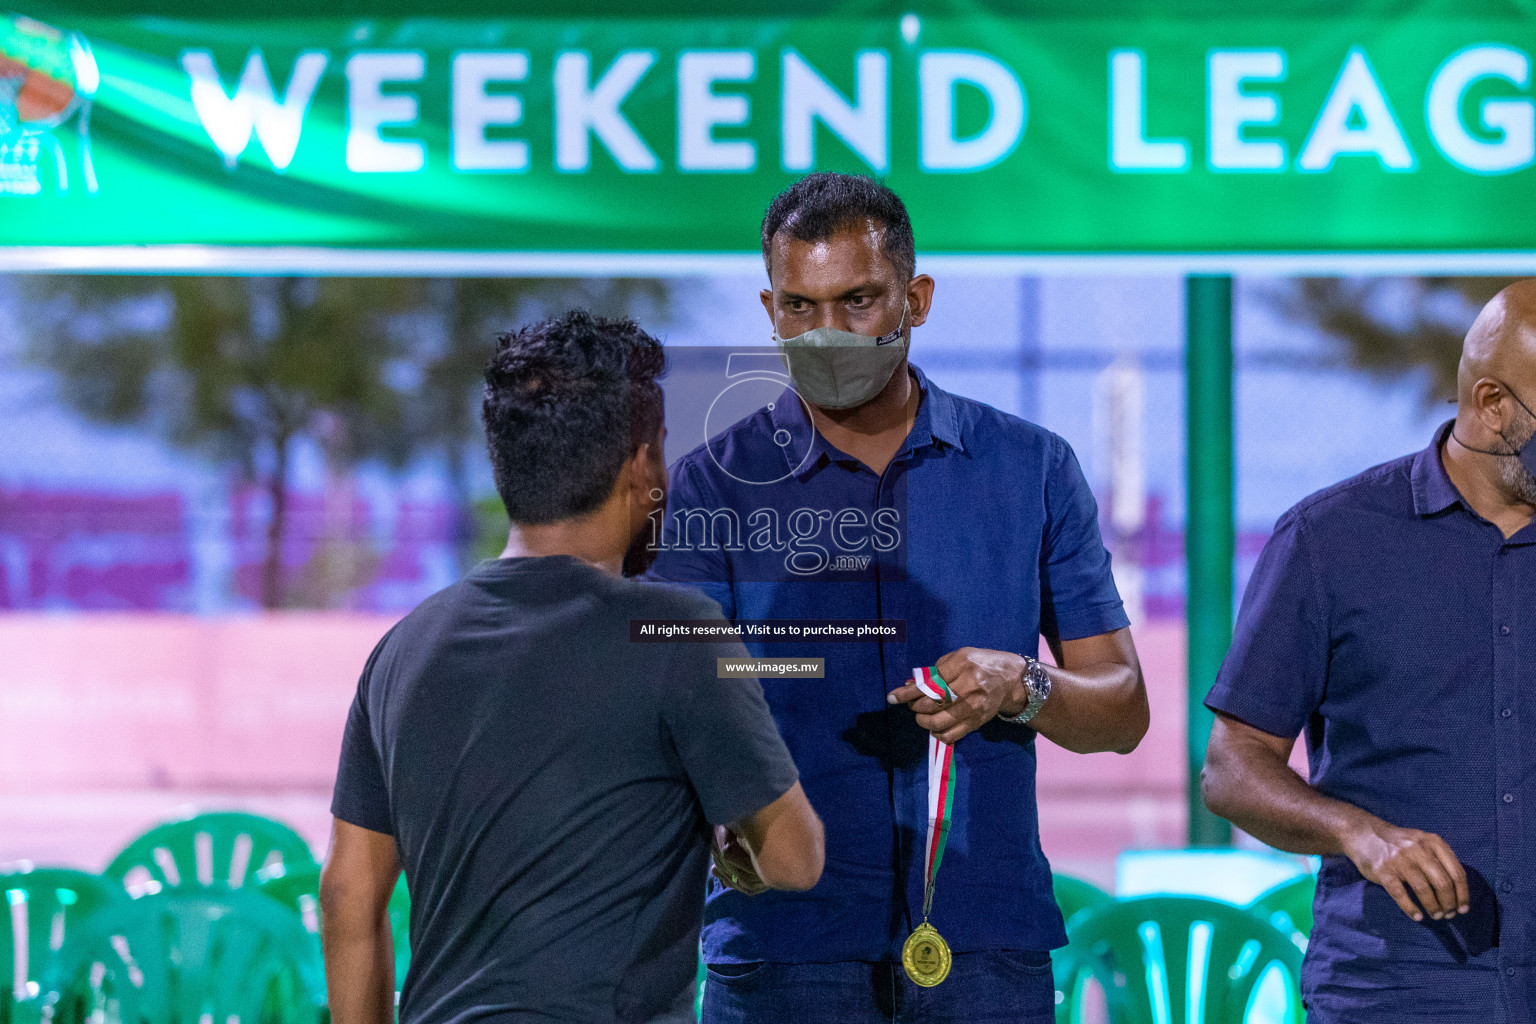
{"x": 837, "y": 369}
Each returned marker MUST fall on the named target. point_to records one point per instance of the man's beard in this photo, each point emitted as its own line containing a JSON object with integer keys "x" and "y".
{"x": 1512, "y": 472}
{"x": 1518, "y": 480}
{"x": 641, "y": 553}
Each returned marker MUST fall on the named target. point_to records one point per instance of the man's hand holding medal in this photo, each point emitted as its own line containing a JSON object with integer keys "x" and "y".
{"x": 981, "y": 683}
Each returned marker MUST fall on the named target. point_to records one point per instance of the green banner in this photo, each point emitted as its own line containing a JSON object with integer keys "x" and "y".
{"x": 1006, "y": 135}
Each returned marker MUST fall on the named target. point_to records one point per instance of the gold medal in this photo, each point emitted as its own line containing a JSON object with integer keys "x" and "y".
{"x": 925, "y": 956}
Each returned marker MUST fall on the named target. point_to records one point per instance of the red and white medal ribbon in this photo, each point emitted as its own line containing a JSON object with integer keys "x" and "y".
{"x": 941, "y": 785}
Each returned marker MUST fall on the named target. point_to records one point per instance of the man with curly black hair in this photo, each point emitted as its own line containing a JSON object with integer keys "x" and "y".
{"x": 547, "y": 785}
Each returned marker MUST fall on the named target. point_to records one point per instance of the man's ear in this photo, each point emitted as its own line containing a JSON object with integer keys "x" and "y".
{"x": 1488, "y": 400}
{"x": 919, "y": 299}
{"x": 646, "y": 471}
{"x": 637, "y": 473}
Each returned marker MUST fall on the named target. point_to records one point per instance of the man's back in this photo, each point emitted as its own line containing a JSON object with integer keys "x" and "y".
{"x": 548, "y": 785}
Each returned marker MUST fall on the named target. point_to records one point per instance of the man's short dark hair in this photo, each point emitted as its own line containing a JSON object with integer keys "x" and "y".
{"x": 819, "y": 205}
{"x": 567, "y": 401}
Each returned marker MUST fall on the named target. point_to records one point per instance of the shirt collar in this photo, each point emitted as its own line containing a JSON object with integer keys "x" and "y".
{"x": 937, "y": 421}
{"x": 1433, "y": 491}
{"x": 942, "y": 412}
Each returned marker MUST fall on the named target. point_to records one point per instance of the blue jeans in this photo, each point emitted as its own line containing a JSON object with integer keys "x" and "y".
{"x": 982, "y": 988}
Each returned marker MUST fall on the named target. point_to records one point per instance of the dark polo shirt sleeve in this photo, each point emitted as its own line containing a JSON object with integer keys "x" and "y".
{"x": 1275, "y": 671}
{"x": 361, "y": 797}
{"x": 726, "y": 738}
{"x": 1078, "y": 597}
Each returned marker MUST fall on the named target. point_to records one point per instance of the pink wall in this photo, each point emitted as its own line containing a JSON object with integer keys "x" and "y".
{"x": 111, "y": 722}
{"x": 164, "y": 701}
{"x": 1092, "y": 806}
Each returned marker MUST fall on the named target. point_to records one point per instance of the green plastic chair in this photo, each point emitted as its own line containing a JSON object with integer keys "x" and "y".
{"x": 400, "y": 927}
{"x": 225, "y": 850}
{"x": 1169, "y": 959}
{"x": 1288, "y": 906}
{"x": 228, "y": 956}
{"x": 1074, "y": 896}
{"x": 299, "y": 891}
{"x": 46, "y": 948}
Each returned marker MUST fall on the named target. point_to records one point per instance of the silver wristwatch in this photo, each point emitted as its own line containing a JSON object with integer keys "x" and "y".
{"x": 1038, "y": 682}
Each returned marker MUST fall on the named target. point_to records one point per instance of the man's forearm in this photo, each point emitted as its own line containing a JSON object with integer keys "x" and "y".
{"x": 1098, "y": 699}
{"x": 1267, "y": 799}
{"x": 1248, "y": 781}
{"x": 1091, "y": 710}
{"x": 360, "y": 974}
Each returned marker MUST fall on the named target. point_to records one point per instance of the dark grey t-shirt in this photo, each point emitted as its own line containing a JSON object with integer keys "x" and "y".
{"x": 548, "y": 785}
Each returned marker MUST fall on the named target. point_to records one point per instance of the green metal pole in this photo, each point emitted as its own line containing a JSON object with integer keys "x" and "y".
{"x": 1209, "y": 531}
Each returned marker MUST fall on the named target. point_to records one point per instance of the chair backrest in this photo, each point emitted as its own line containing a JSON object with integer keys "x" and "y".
{"x": 300, "y": 891}
{"x": 223, "y": 850}
{"x": 400, "y": 928}
{"x": 1172, "y": 959}
{"x": 1288, "y": 906}
{"x": 232, "y": 957}
{"x": 1073, "y": 896}
{"x": 44, "y": 946}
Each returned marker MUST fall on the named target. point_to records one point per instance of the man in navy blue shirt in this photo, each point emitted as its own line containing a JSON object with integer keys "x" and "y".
{"x": 1393, "y": 617}
{"x": 867, "y": 492}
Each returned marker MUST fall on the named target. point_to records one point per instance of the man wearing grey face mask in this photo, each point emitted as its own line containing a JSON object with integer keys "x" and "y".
{"x": 865, "y": 491}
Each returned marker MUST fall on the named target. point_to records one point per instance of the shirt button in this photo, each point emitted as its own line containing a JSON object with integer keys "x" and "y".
{"x": 1504, "y": 630}
{"x": 1509, "y": 971}
{"x": 1506, "y": 713}
{"x": 1507, "y": 886}
{"x": 1509, "y": 798}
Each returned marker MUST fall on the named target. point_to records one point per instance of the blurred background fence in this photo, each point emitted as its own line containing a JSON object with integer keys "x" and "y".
{"x": 211, "y": 445}
{"x": 161, "y": 482}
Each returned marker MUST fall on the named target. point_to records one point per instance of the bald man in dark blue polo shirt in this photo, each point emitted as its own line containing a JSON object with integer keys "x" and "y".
{"x": 868, "y": 492}
{"x": 1393, "y": 617}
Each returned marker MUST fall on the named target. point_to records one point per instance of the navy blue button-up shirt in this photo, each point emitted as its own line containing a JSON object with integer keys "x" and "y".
{"x": 981, "y": 532}
{"x": 1398, "y": 627}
